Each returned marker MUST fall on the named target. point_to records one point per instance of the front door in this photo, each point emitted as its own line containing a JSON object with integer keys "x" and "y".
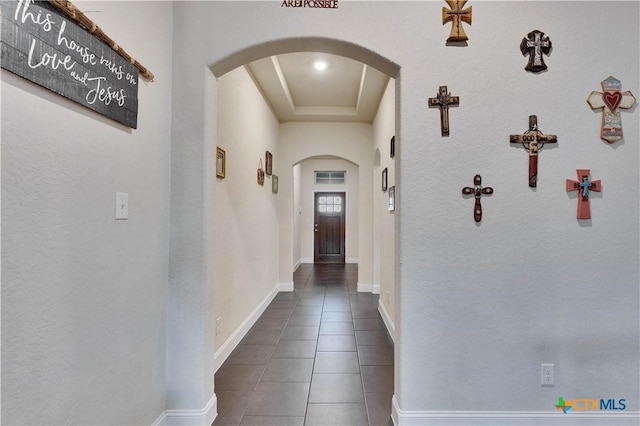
{"x": 329, "y": 227}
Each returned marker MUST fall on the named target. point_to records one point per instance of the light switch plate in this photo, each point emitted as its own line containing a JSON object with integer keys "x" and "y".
{"x": 122, "y": 206}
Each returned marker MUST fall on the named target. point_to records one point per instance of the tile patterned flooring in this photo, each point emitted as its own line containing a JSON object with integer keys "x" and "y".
{"x": 319, "y": 355}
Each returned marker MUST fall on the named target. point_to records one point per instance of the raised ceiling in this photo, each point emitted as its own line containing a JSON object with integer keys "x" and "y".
{"x": 345, "y": 91}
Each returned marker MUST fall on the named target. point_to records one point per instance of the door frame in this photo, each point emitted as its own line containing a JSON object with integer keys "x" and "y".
{"x": 313, "y": 221}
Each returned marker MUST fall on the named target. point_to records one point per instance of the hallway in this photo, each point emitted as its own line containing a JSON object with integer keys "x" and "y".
{"x": 319, "y": 355}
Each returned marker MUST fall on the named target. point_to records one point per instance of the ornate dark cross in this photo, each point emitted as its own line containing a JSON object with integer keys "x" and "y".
{"x": 443, "y": 100}
{"x": 584, "y": 185}
{"x": 610, "y": 101}
{"x": 456, "y": 16}
{"x": 477, "y": 191}
{"x": 535, "y": 45}
{"x": 533, "y": 140}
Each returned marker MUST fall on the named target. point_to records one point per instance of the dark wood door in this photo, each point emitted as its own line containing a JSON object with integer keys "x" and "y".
{"x": 329, "y": 227}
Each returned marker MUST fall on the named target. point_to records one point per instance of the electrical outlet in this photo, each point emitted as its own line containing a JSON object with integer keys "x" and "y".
{"x": 548, "y": 375}
{"x": 218, "y": 325}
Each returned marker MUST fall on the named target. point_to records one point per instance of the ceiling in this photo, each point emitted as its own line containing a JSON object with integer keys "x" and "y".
{"x": 346, "y": 91}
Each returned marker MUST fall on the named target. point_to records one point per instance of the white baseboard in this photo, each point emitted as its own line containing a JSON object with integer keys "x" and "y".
{"x": 285, "y": 286}
{"x": 306, "y": 260}
{"x": 509, "y": 418}
{"x": 365, "y": 288}
{"x": 203, "y": 417}
{"x": 352, "y": 260}
{"x": 388, "y": 322}
{"x": 227, "y": 347}
{"x": 368, "y": 288}
{"x": 297, "y": 265}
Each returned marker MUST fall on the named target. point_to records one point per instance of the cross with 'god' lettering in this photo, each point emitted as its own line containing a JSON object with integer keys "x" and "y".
{"x": 443, "y": 100}
{"x": 456, "y": 15}
{"x": 533, "y": 140}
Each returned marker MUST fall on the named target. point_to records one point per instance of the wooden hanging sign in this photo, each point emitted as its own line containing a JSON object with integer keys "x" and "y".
{"x": 583, "y": 185}
{"x": 611, "y": 100}
{"x": 442, "y": 100}
{"x": 533, "y": 140}
{"x": 44, "y": 46}
{"x": 478, "y": 191}
{"x": 456, "y": 14}
{"x": 535, "y": 44}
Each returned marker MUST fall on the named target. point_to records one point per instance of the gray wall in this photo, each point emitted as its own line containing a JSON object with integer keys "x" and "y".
{"x": 83, "y": 295}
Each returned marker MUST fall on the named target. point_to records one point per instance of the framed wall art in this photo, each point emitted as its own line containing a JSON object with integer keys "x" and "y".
{"x": 274, "y": 184}
{"x": 392, "y": 147}
{"x": 392, "y": 199}
{"x": 221, "y": 163}
{"x": 260, "y": 174}
{"x": 268, "y": 168}
{"x": 384, "y": 179}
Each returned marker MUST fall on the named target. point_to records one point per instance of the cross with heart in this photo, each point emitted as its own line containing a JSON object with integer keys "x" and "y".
{"x": 611, "y": 100}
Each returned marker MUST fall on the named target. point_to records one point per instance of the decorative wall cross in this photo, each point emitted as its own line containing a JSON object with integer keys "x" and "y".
{"x": 584, "y": 185}
{"x": 477, "y": 191}
{"x": 610, "y": 101}
{"x": 535, "y": 45}
{"x": 443, "y": 100}
{"x": 456, "y": 15}
{"x": 533, "y": 140}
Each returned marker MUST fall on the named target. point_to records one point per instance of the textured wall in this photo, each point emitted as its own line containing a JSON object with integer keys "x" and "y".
{"x": 246, "y": 221}
{"x": 480, "y": 307}
{"x": 83, "y": 295}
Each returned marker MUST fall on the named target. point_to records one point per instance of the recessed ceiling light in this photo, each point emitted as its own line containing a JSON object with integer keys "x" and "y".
{"x": 320, "y": 65}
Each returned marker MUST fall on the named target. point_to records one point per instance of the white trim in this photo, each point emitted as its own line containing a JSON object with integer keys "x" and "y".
{"x": 368, "y": 288}
{"x": 285, "y": 287}
{"x": 227, "y": 347}
{"x": 306, "y": 260}
{"x": 352, "y": 259}
{"x": 388, "y": 322}
{"x": 203, "y": 417}
{"x": 510, "y": 418}
{"x": 297, "y": 265}
{"x": 364, "y": 288}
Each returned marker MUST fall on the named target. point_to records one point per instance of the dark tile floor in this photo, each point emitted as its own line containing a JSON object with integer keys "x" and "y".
{"x": 319, "y": 355}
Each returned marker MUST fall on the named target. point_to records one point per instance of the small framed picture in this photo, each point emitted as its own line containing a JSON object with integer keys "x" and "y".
{"x": 392, "y": 199}
{"x": 384, "y": 179}
{"x": 221, "y": 163}
{"x": 274, "y": 184}
{"x": 392, "y": 147}
{"x": 268, "y": 168}
{"x": 260, "y": 174}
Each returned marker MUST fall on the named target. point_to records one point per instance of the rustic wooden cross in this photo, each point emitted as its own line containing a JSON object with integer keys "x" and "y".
{"x": 456, "y": 15}
{"x": 533, "y": 140}
{"x": 477, "y": 190}
{"x": 610, "y": 101}
{"x": 535, "y": 45}
{"x": 443, "y": 99}
{"x": 584, "y": 185}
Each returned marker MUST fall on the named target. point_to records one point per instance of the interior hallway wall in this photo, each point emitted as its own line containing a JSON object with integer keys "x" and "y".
{"x": 246, "y": 219}
{"x": 84, "y": 295}
{"x": 350, "y": 141}
{"x": 384, "y": 221}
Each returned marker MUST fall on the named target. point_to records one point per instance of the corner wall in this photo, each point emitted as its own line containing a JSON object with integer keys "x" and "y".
{"x": 83, "y": 295}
